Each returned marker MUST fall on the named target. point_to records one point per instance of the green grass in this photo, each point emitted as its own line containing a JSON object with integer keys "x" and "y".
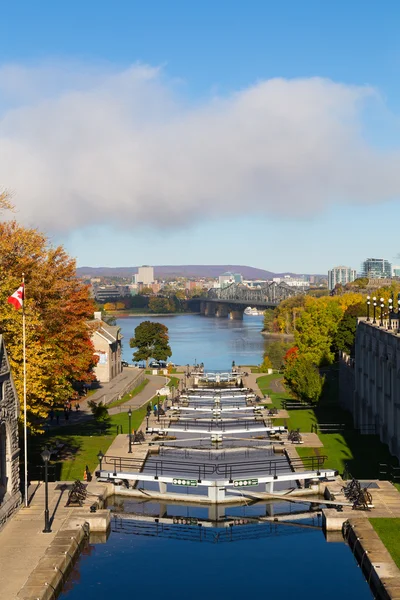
{"x": 139, "y": 388}
{"x": 389, "y": 532}
{"x": 84, "y": 441}
{"x": 173, "y": 382}
{"x": 361, "y": 454}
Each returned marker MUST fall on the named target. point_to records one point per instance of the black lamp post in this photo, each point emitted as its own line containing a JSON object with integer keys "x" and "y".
{"x": 368, "y": 304}
{"x": 130, "y": 430}
{"x": 100, "y": 457}
{"x": 374, "y": 302}
{"x": 158, "y": 406}
{"x": 382, "y": 307}
{"x": 390, "y": 312}
{"x": 46, "y": 457}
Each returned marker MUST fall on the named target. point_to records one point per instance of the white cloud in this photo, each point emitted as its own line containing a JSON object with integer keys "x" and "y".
{"x": 83, "y": 145}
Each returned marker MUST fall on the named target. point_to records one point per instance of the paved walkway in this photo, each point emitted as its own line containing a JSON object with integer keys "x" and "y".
{"x": 22, "y": 543}
{"x": 155, "y": 383}
{"x": 115, "y": 387}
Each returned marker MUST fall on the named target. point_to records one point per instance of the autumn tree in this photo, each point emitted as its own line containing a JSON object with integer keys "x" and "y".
{"x": 152, "y": 341}
{"x": 57, "y": 306}
{"x": 157, "y": 304}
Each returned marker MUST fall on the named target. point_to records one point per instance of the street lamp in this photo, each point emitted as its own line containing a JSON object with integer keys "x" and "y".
{"x": 130, "y": 430}
{"x": 374, "y": 302}
{"x": 390, "y": 312}
{"x": 368, "y": 303}
{"x": 100, "y": 457}
{"x": 46, "y": 457}
{"x": 382, "y": 307}
{"x": 158, "y": 406}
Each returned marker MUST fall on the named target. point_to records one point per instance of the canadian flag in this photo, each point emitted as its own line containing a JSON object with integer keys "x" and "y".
{"x": 17, "y": 298}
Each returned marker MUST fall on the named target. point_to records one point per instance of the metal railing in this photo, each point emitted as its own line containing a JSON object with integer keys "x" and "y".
{"x": 196, "y": 533}
{"x": 128, "y": 388}
{"x": 212, "y": 426}
{"x": 202, "y": 470}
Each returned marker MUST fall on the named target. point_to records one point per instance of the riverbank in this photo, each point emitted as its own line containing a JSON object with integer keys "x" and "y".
{"x": 121, "y": 314}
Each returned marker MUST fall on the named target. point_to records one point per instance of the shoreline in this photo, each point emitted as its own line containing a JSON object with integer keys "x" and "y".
{"x": 174, "y": 314}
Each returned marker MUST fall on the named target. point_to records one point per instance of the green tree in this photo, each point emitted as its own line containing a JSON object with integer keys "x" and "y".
{"x": 316, "y": 328}
{"x": 152, "y": 341}
{"x": 346, "y": 332}
{"x": 304, "y": 379}
{"x": 157, "y": 304}
{"x": 147, "y": 291}
{"x": 269, "y": 320}
{"x": 276, "y": 351}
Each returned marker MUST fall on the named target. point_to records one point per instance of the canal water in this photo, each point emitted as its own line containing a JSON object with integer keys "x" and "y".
{"x": 216, "y": 342}
{"x": 186, "y": 560}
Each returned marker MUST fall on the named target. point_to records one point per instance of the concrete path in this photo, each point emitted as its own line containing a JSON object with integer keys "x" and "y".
{"x": 22, "y": 543}
{"x": 107, "y": 391}
{"x": 149, "y": 391}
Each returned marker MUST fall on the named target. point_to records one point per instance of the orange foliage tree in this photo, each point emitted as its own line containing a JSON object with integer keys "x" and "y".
{"x": 57, "y": 306}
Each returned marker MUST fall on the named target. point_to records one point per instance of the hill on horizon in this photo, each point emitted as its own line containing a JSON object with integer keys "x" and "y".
{"x": 165, "y": 271}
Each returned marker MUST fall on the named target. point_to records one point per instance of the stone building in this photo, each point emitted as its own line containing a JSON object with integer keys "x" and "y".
{"x": 107, "y": 342}
{"x": 376, "y": 401}
{"x": 10, "y": 495}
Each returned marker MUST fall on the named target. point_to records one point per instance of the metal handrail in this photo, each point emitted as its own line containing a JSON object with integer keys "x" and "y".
{"x": 216, "y": 425}
{"x": 227, "y": 470}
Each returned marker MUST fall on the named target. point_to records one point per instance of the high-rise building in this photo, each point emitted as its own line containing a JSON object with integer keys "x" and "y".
{"x": 228, "y": 278}
{"x": 145, "y": 275}
{"x": 376, "y": 268}
{"x": 341, "y": 275}
{"x": 396, "y": 270}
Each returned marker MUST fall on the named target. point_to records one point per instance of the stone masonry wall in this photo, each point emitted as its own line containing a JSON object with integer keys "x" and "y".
{"x": 9, "y": 412}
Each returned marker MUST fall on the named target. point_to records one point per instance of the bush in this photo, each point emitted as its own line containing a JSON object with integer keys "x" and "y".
{"x": 100, "y": 413}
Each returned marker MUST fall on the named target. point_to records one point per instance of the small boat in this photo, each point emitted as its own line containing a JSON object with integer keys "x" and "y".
{"x": 252, "y": 311}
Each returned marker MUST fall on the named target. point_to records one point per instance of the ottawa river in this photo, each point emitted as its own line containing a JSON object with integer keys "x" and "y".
{"x": 215, "y": 342}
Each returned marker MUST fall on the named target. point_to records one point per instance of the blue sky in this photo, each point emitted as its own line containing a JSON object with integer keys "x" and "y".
{"x": 167, "y": 132}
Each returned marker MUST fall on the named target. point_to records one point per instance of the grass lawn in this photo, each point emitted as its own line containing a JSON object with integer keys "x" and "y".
{"x": 129, "y": 395}
{"x": 174, "y": 382}
{"x": 389, "y": 532}
{"x": 84, "y": 441}
{"x": 361, "y": 453}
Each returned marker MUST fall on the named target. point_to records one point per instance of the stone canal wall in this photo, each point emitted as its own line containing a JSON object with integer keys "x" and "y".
{"x": 378, "y": 567}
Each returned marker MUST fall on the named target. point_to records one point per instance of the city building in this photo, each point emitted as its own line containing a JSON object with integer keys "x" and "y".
{"x": 110, "y": 293}
{"x": 395, "y": 271}
{"x": 10, "y": 495}
{"x": 107, "y": 342}
{"x": 341, "y": 275}
{"x": 299, "y": 282}
{"x": 228, "y": 278}
{"x": 145, "y": 275}
{"x": 376, "y": 268}
{"x": 255, "y": 283}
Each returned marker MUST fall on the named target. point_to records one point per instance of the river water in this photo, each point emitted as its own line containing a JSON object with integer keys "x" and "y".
{"x": 272, "y": 560}
{"x": 215, "y": 342}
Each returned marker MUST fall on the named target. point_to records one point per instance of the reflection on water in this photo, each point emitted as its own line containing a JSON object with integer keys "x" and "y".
{"x": 175, "y": 551}
{"x": 216, "y": 342}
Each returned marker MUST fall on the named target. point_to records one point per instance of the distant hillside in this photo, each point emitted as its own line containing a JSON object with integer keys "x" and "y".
{"x": 167, "y": 271}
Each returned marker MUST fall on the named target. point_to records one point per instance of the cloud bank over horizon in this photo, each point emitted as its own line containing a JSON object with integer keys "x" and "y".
{"x": 81, "y": 144}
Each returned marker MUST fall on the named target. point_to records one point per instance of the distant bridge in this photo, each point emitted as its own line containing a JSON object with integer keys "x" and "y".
{"x": 231, "y": 300}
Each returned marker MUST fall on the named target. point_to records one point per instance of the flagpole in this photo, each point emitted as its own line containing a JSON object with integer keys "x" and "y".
{"x": 25, "y": 427}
